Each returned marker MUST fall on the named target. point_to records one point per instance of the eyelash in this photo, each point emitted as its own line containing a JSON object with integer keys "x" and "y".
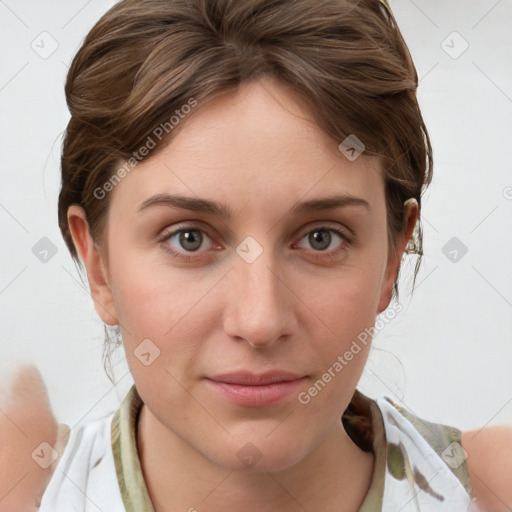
{"x": 321, "y": 255}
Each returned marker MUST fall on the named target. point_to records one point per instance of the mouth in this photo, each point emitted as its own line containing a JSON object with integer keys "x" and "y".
{"x": 255, "y": 390}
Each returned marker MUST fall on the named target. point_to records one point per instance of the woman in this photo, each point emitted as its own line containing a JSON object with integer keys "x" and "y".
{"x": 283, "y": 141}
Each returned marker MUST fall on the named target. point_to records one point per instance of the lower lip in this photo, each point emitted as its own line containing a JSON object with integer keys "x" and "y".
{"x": 256, "y": 396}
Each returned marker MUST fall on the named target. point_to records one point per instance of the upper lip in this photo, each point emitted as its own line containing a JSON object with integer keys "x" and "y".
{"x": 256, "y": 379}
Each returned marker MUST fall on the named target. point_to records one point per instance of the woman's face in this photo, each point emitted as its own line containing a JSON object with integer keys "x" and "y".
{"x": 268, "y": 286}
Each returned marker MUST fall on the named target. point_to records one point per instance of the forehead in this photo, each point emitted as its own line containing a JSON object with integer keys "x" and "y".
{"x": 258, "y": 145}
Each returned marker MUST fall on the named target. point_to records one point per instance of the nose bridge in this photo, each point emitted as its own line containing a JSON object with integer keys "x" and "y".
{"x": 258, "y": 304}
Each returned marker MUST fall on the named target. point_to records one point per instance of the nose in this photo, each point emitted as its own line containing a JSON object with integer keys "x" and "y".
{"x": 258, "y": 306}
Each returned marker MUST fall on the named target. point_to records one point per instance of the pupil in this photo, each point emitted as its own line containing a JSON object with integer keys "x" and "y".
{"x": 187, "y": 237}
{"x": 318, "y": 237}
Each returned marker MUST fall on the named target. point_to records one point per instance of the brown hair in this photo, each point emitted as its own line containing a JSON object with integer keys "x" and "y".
{"x": 145, "y": 59}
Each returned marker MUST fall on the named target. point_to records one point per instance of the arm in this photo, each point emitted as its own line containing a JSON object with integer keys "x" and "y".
{"x": 489, "y": 462}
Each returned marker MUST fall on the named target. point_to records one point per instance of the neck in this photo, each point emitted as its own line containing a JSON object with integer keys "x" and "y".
{"x": 176, "y": 473}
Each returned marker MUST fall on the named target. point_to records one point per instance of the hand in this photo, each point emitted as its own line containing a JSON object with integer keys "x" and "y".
{"x": 26, "y": 421}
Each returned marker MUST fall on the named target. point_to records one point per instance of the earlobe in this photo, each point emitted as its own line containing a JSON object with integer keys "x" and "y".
{"x": 94, "y": 264}
{"x": 411, "y": 213}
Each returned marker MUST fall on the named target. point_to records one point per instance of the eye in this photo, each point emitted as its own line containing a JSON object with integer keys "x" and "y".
{"x": 184, "y": 241}
{"x": 321, "y": 237}
{"x": 189, "y": 239}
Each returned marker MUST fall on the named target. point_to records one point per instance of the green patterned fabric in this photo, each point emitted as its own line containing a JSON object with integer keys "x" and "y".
{"x": 440, "y": 437}
{"x": 124, "y": 447}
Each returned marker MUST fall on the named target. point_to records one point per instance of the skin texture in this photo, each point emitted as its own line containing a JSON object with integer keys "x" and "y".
{"x": 293, "y": 308}
{"x": 489, "y": 459}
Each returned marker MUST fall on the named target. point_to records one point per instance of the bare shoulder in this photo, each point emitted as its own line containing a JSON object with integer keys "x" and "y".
{"x": 489, "y": 460}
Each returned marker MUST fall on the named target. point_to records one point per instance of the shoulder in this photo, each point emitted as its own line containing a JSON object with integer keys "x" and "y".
{"x": 489, "y": 460}
{"x": 83, "y": 468}
{"x": 428, "y": 456}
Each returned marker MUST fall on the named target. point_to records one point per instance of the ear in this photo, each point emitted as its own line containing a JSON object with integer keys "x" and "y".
{"x": 94, "y": 263}
{"x": 411, "y": 212}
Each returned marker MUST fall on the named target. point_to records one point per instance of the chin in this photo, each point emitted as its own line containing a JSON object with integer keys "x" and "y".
{"x": 257, "y": 454}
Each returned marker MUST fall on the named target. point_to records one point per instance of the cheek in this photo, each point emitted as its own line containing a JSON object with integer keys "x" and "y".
{"x": 149, "y": 296}
{"x": 347, "y": 314}
{"x": 345, "y": 310}
{"x": 347, "y": 300}
{"x": 162, "y": 319}
{"x": 155, "y": 310}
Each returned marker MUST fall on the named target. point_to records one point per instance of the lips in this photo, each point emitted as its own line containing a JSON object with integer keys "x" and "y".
{"x": 255, "y": 390}
{"x": 245, "y": 378}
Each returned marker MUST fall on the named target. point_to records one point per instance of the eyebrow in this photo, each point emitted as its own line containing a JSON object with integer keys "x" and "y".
{"x": 197, "y": 204}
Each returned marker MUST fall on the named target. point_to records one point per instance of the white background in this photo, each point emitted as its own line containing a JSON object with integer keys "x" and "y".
{"x": 447, "y": 355}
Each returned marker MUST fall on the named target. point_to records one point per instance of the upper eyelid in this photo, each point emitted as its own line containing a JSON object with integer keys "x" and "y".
{"x": 201, "y": 225}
